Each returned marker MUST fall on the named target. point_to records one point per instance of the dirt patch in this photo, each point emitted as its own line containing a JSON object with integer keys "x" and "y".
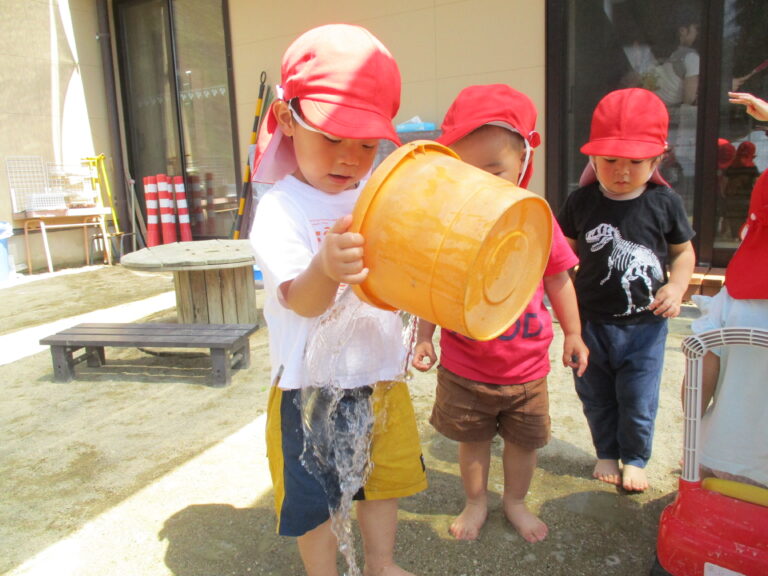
{"x": 71, "y": 451}
{"x": 43, "y": 298}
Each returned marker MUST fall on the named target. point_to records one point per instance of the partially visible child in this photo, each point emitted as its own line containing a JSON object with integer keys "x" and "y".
{"x": 340, "y": 91}
{"x": 756, "y": 107}
{"x": 740, "y": 178}
{"x": 626, "y": 226}
{"x": 735, "y": 424}
{"x": 500, "y": 386}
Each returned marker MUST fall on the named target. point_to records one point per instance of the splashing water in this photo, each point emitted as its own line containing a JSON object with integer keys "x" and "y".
{"x": 352, "y": 347}
{"x": 410, "y": 327}
{"x": 338, "y": 427}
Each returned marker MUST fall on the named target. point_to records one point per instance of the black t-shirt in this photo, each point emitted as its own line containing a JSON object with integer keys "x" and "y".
{"x": 623, "y": 248}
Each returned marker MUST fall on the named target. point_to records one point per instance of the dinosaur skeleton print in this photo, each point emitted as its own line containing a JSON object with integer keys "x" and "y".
{"x": 632, "y": 262}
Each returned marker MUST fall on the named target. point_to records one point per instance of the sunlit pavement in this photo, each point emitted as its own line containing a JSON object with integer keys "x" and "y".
{"x": 125, "y": 540}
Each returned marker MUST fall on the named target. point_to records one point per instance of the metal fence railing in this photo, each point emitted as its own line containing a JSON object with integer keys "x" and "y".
{"x": 37, "y": 186}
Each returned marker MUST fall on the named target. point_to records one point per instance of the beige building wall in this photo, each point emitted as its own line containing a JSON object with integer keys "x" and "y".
{"x": 53, "y": 101}
{"x": 441, "y": 47}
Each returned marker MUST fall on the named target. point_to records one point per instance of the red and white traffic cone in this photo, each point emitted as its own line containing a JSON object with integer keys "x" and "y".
{"x": 183, "y": 211}
{"x": 167, "y": 216}
{"x": 150, "y": 198}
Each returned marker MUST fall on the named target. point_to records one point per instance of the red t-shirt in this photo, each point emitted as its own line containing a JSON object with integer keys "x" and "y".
{"x": 521, "y": 354}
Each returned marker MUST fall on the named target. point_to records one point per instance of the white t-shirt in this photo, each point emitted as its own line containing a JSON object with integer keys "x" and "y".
{"x": 683, "y": 63}
{"x": 291, "y": 221}
{"x": 735, "y": 426}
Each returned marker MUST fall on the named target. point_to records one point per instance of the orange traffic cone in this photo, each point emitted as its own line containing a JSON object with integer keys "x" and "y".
{"x": 150, "y": 198}
{"x": 167, "y": 216}
{"x": 183, "y": 210}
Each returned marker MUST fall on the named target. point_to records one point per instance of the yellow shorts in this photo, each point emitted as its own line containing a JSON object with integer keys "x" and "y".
{"x": 301, "y": 502}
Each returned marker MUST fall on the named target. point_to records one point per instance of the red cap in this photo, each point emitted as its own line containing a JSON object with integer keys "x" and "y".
{"x": 629, "y": 123}
{"x": 747, "y": 274}
{"x": 726, "y": 152}
{"x": 745, "y": 155}
{"x": 348, "y": 85}
{"x": 496, "y": 104}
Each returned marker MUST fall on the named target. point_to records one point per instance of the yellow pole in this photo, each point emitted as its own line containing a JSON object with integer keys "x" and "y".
{"x": 105, "y": 180}
{"x": 97, "y": 163}
{"x": 246, "y": 190}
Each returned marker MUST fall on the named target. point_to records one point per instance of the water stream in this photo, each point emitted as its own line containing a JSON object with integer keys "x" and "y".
{"x": 352, "y": 347}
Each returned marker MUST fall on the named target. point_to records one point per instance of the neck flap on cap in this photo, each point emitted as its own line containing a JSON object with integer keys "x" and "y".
{"x": 589, "y": 176}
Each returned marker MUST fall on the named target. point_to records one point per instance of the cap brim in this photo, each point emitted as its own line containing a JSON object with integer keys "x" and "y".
{"x": 348, "y": 122}
{"x": 634, "y": 149}
{"x": 457, "y": 133}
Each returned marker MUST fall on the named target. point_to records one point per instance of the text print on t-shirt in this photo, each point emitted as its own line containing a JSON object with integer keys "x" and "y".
{"x": 527, "y": 326}
{"x": 321, "y": 226}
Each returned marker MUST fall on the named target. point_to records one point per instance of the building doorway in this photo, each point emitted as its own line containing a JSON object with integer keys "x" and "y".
{"x": 178, "y": 103}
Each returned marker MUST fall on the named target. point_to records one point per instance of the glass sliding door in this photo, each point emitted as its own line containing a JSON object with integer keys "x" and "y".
{"x": 177, "y": 102}
{"x": 691, "y": 53}
{"x": 206, "y": 115}
{"x": 605, "y": 45}
{"x": 651, "y": 44}
{"x": 149, "y": 88}
{"x": 742, "y": 141}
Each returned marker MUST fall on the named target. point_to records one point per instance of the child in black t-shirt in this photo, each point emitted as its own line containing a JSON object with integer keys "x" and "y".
{"x": 627, "y": 226}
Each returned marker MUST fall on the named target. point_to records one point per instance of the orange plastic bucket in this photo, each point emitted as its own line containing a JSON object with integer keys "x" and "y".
{"x": 449, "y": 242}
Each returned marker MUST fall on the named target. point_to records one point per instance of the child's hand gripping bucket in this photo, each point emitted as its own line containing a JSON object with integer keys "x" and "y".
{"x": 449, "y": 242}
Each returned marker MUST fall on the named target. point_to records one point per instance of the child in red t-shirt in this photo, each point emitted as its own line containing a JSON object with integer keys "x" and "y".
{"x": 500, "y": 386}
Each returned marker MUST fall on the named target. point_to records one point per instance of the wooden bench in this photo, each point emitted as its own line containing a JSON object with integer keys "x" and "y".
{"x": 228, "y": 344}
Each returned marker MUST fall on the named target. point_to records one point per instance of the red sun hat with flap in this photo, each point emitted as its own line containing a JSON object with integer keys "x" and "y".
{"x": 629, "y": 123}
{"x": 347, "y": 84}
{"x": 497, "y": 105}
{"x": 747, "y": 274}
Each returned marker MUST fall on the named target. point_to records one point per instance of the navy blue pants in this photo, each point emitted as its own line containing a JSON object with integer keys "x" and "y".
{"x": 620, "y": 389}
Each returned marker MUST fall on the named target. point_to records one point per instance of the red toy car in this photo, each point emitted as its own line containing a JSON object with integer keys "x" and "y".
{"x": 714, "y": 527}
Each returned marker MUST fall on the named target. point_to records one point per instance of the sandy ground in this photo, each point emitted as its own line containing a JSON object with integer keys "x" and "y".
{"x": 73, "y": 455}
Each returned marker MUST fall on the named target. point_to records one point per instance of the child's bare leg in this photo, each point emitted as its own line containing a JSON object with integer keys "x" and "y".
{"x": 378, "y": 525}
{"x": 634, "y": 479}
{"x": 474, "y": 463}
{"x": 318, "y": 551}
{"x": 519, "y": 465}
{"x": 607, "y": 470}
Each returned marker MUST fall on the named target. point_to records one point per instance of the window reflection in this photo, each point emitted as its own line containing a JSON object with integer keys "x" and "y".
{"x": 650, "y": 44}
{"x": 659, "y": 45}
{"x": 744, "y": 68}
{"x": 177, "y": 104}
{"x": 201, "y": 68}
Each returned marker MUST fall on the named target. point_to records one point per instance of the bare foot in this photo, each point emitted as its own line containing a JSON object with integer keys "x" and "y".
{"x": 527, "y": 524}
{"x": 467, "y": 524}
{"x": 634, "y": 479}
{"x": 390, "y": 570}
{"x": 607, "y": 471}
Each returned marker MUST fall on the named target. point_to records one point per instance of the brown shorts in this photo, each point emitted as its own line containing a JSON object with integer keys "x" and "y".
{"x": 469, "y": 411}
